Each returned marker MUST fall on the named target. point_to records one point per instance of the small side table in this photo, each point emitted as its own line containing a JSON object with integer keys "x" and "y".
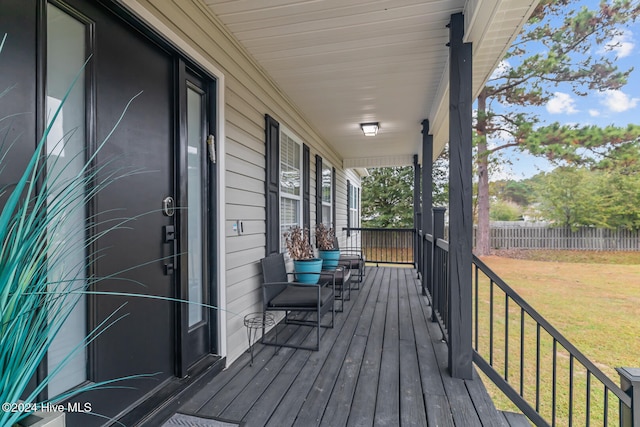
{"x": 255, "y": 322}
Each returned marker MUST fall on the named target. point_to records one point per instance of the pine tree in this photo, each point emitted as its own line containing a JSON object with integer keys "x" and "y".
{"x": 561, "y": 43}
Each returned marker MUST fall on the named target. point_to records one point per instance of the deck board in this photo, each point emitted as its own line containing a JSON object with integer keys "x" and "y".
{"x": 383, "y": 363}
{"x": 364, "y": 401}
{"x": 388, "y": 400}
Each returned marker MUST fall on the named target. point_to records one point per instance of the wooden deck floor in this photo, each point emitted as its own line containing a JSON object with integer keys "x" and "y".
{"x": 382, "y": 364}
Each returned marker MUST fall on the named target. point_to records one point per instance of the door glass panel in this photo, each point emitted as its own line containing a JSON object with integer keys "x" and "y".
{"x": 195, "y": 153}
{"x": 65, "y": 145}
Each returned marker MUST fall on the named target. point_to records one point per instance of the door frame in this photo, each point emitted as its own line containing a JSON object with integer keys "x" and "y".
{"x": 186, "y": 343}
{"x": 195, "y": 60}
{"x": 142, "y": 20}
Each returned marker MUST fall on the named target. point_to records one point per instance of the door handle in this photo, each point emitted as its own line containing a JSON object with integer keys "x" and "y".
{"x": 169, "y": 232}
{"x": 168, "y": 269}
{"x": 168, "y": 206}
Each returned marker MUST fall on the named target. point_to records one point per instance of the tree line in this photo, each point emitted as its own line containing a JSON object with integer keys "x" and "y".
{"x": 603, "y": 194}
{"x": 565, "y": 42}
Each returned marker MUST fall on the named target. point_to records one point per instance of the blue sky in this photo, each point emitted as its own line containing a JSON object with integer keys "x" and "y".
{"x": 620, "y": 107}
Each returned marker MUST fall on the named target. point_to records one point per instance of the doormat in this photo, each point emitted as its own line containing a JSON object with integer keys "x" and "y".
{"x": 183, "y": 420}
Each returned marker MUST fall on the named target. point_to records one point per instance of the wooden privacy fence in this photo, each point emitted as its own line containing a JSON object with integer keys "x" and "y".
{"x": 584, "y": 238}
{"x": 383, "y": 245}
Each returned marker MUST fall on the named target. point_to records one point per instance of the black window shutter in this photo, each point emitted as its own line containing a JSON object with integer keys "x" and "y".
{"x": 333, "y": 199}
{"x": 272, "y": 184}
{"x": 348, "y": 208}
{"x": 318, "y": 189}
{"x": 306, "y": 189}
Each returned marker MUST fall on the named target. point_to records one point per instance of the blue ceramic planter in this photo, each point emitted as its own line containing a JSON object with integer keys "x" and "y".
{"x": 304, "y": 267}
{"x": 330, "y": 258}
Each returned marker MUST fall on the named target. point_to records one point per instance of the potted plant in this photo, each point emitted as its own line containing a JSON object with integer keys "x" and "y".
{"x": 330, "y": 256}
{"x": 307, "y": 267}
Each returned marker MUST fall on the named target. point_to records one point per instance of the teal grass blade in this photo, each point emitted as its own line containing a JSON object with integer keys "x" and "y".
{"x": 31, "y": 314}
{"x": 33, "y": 307}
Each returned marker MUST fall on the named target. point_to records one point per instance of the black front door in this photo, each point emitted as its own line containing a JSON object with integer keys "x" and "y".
{"x": 131, "y": 257}
{"x": 161, "y": 208}
{"x": 159, "y": 152}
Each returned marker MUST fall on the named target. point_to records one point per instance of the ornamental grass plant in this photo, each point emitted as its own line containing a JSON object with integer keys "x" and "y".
{"x": 33, "y": 305}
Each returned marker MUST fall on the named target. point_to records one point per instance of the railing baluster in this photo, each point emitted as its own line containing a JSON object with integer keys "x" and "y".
{"x": 476, "y": 305}
{"x": 553, "y": 384}
{"x": 588, "y": 415}
{"x": 491, "y": 323}
{"x": 606, "y": 407}
{"x": 522, "y": 352}
{"x": 537, "y": 367}
{"x": 570, "y": 390}
{"x": 506, "y": 337}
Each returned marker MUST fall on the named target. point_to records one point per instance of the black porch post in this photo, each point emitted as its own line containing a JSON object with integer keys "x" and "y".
{"x": 427, "y": 204}
{"x": 417, "y": 216}
{"x": 460, "y": 201}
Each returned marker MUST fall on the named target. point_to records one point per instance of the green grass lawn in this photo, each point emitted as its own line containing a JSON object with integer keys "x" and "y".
{"x": 592, "y": 298}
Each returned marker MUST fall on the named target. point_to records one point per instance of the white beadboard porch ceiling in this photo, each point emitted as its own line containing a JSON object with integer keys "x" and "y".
{"x": 346, "y": 62}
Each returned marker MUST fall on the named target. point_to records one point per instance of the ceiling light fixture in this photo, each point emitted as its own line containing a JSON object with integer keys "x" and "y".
{"x": 370, "y": 129}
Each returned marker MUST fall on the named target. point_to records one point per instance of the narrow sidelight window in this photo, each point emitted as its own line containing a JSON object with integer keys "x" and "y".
{"x": 66, "y": 142}
{"x": 196, "y": 157}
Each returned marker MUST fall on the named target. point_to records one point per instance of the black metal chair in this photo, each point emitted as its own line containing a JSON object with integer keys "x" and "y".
{"x": 341, "y": 280}
{"x": 353, "y": 259}
{"x": 278, "y": 294}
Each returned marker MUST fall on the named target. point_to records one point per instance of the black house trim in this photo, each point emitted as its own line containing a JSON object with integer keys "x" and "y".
{"x": 333, "y": 198}
{"x": 318, "y": 189}
{"x": 306, "y": 189}
{"x": 272, "y": 184}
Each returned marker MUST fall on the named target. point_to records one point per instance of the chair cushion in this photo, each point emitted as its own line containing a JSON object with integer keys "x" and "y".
{"x": 351, "y": 261}
{"x": 301, "y": 296}
{"x": 342, "y": 276}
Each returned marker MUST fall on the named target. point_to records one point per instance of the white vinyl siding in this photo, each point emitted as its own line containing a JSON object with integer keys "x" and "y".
{"x": 248, "y": 96}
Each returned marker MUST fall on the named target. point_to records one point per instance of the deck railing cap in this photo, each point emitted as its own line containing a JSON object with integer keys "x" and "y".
{"x": 631, "y": 374}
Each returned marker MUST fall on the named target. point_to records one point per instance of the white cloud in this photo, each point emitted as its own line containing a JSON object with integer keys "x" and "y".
{"x": 618, "y": 101}
{"x": 594, "y": 113}
{"x": 622, "y": 44}
{"x": 502, "y": 69}
{"x": 561, "y": 103}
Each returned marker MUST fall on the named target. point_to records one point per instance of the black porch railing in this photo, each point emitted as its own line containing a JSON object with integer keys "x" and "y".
{"x": 529, "y": 360}
{"x": 383, "y": 245}
{"x": 543, "y": 373}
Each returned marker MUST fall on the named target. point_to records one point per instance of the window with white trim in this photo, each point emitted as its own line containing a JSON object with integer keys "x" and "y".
{"x": 290, "y": 183}
{"x": 327, "y": 195}
{"x": 354, "y": 206}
